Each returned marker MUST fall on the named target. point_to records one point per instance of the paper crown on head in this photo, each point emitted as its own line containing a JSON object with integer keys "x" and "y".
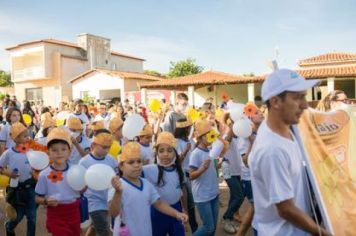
{"x": 59, "y": 134}
{"x": 96, "y": 125}
{"x": 74, "y": 123}
{"x": 166, "y": 138}
{"x": 103, "y": 139}
{"x": 16, "y": 129}
{"x": 130, "y": 150}
{"x": 184, "y": 124}
{"x": 115, "y": 124}
{"x": 147, "y": 130}
{"x": 201, "y": 127}
{"x": 48, "y": 122}
{"x": 46, "y": 115}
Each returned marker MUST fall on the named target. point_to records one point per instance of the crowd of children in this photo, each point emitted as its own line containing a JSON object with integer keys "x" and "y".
{"x": 163, "y": 177}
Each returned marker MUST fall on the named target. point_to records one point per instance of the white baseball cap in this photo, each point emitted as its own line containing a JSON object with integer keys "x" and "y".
{"x": 283, "y": 80}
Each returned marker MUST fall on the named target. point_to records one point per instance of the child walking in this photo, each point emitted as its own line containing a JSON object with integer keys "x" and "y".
{"x": 53, "y": 191}
{"x": 20, "y": 197}
{"x": 204, "y": 180}
{"x": 145, "y": 140}
{"x": 97, "y": 200}
{"x": 115, "y": 128}
{"x": 132, "y": 196}
{"x": 168, "y": 178}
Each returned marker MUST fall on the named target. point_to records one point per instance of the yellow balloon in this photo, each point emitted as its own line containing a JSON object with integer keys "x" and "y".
{"x": 4, "y": 181}
{"x": 193, "y": 114}
{"x": 27, "y": 119}
{"x": 115, "y": 149}
{"x": 154, "y": 105}
{"x": 59, "y": 122}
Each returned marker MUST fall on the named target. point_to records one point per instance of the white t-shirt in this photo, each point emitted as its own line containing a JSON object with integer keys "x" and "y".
{"x": 75, "y": 155}
{"x": 277, "y": 174}
{"x": 243, "y": 146}
{"x": 147, "y": 153}
{"x": 170, "y": 191}
{"x": 5, "y": 136}
{"x": 97, "y": 200}
{"x": 136, "y": 206}
{"x": 105, "y": 118}
{"x": 234, "y": 158}
{"x": 180, "y": 148}
{"x": 206, "y": 186}
{"x": 12, "y": 159}
{"x": 59, "y": 190}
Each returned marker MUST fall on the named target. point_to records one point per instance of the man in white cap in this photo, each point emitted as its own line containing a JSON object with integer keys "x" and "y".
{"x": 279, "y": 181}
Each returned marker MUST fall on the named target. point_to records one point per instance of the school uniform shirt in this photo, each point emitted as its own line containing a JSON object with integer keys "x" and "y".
{"x": 234, "y": 158}
{"x": 277, "y": 174}
{"x": 243, "y": 146}
{"x": 106, "y": 118}
{"x": 180, "y": 148}
{"x": 97, "y": 199}
{"x": 170, "y": 191}
{"x": 75, "y": 156}
{"x": 136, "y": 202}
{"x": 53, "y": 183}
{"x": 205, "y": 187}
{"x": 82, "y": 117}
{"x": 5, "y": 136}
{"x": 13, "y": 159}
{"x": 147, "y": 153}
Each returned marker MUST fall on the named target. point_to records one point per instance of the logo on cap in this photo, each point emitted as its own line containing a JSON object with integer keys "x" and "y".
{"x": 294, "y": 75}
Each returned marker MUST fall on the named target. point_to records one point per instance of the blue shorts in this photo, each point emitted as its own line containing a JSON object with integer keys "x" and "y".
{"x": 247, "y": 187}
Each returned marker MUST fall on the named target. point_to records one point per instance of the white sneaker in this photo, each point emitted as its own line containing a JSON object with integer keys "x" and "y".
{"x": 229, "y": 227}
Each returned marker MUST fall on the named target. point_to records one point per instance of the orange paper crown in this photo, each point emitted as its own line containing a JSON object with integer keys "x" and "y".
{"x": 201, "y": 127}
{"x": 59, "y": 134}
{"x": 147, "y": 130}
{"x": 115, "y": 124}
{"x": 96, "y": 125}
{"x": 103, "y": 139}
{"x": 130, "y": 150}
{"x": 16, "y": 129}
{"x": 74, "y": 123}
{"x": 166, "y": 138}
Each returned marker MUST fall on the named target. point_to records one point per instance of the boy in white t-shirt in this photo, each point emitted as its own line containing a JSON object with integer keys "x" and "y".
{"x": 279, "y": 181}
{"x": 145, "y": 141}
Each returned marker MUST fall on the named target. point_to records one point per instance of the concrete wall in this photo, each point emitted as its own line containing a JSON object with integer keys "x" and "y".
{"x": 126, "y": 64}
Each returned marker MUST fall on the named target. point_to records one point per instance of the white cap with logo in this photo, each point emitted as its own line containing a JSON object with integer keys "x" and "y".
{"x": 283, "y": 80}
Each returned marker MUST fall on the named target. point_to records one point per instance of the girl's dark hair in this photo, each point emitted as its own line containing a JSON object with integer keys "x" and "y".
{"x": 87, "y": 111}
{"x": 10, "y": 111}
{"x": 45, "y": 132}
{"x": 55, "y": 141}
{"x": 182, "y": 133}
{"x": 101, "y": 131}
{"x": 160, "y": 180}
{"x": 44, "y": 110}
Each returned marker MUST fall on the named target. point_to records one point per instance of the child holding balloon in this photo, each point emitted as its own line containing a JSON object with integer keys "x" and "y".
{"x": 53, "y": 190}
{"x": 97, "y": 199}
{"x": 204, "y": 179}
{"x": 21, "y": 192}
{"x": 168, "y": 178}
{"x": 132, "y": 196}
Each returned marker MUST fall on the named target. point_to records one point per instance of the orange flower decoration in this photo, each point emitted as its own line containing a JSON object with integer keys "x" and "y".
{"x": 37, "y": 146}
{"x": 24, "y": 147}
{"x": 55, "y": 176}
{"x": 225, "y": 97}
{"x": 250, "y": 109}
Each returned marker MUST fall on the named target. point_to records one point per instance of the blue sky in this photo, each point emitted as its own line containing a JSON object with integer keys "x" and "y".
{"x": 233, "y": 36}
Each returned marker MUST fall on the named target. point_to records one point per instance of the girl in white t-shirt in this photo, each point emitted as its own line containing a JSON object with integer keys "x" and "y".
{"x": 13, "y": 115}
{"x": 168, "y": 178}
{"x": 145, "y": 141}
{"x": 132, "y": 196}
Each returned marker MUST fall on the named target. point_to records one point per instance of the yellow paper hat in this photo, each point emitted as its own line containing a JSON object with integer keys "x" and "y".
{"x": 115, "y": 124}
{"x": 59, "y": 134}
{"x": 184, "y": 124}
{"x": 74, "y": 123}
{"x": 16, "y": 129}
{"x": 130, "y": 150}
{"x": 48, "y": 122}
{"x": 147, "y": 130}
{"x": 201, "y": 127}
{"x": 166, "y": 138}
{"x": 96, "y": 125}
{"x": 115, "y": 114}
{"x": 103, "y": 139}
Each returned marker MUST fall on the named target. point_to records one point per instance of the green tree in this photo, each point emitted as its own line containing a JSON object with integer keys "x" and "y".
{"x": 251, "y": 74}
{"x": 183, "y": 68}
{"x": 5, "y": 79}
{"x": 153, "y": 73}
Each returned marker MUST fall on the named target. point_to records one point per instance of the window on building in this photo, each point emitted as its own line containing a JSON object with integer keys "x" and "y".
{"x": 34, "y": 94}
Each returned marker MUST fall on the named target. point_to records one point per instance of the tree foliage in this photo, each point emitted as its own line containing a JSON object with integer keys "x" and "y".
{"x": 153, "y": 73}
{"x": 5, "y": 79}
{"x": 183, "y": 68}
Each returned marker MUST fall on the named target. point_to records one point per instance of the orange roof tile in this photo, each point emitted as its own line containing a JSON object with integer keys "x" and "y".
{"x": 329, "y": 58}
{"x": 325, "y": 72}
{"x": 202, "y": 79}
{"x": 127, "y": 56}
{"x": 121, "y": 74}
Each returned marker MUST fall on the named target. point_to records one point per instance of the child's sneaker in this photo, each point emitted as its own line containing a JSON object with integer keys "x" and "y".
{"x": 229, "y": 227}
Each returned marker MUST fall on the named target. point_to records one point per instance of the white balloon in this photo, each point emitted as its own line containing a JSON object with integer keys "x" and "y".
{"x": 98, "y": 176}
{"x": 132, "y": 126}
{"x": 75, "y": 177}
{"x": 38, "y": 160}
{"x": 216, "y": 149}
{"x": 236, "y": 111}
{"x": 242, "y": 128}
